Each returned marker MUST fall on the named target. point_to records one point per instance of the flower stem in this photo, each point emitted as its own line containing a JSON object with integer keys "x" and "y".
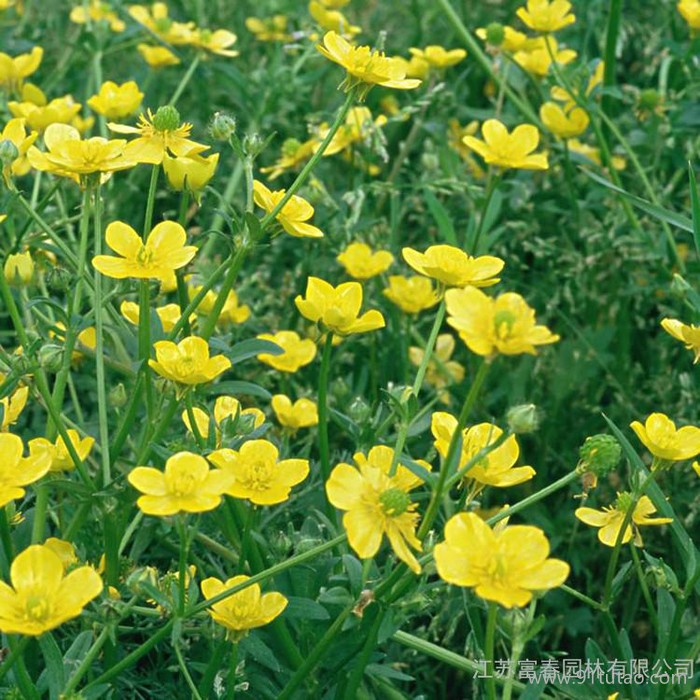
{"x": 189, "y": 405}
{"x": 185, "y": 672}
{"x": 6, "y": 538}
{"x": 644, "y": 586}
{"x": 323, "y": 446}
{"x": 185, "y": 80}
{"x": 182, "y": 569}
{"x": 489, "y": 646}
{"x": 233, "y": 663}
{"x": 40, "y": 507}
{"x": 87, "y": 661}
{"x": 456, "y": 440}
{"x": 491, "y": 186}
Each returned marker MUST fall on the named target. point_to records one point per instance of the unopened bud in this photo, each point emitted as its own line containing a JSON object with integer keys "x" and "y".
{"x": 19, "y": 269}
{"x": 50, "y": 357}
{"x": 523, "y": 419}
{"x": 8, "y": 152}
{"x": 58, "y": 279}
{"x": 495, "y": 34}
{"x": 359, "y": 410}
{"x": 222, "y": 127}
{"x": 650, "y": 99}
{"x": 117, "y": 396}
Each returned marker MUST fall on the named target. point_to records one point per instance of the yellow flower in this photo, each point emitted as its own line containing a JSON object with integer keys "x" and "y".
{"x": 70, "y": 156}
{"x": 297, "y": 352}
{"x": 39, "y": 113}
{"x": 244, "y": 610}
{"x": 159, "y": 134}
{"x": 257, "y": 475}
{"x": 362, "y": 263}
{"x": 42, "y": 596}
{"x": 157, "y": 56}
{"x": 16, "y": 133}
{"x": 163, "y": 252}
{"x": 232, "y": 311}
{"x": 504, "y": 325}
{"x": 332, "y": 20}
{"x": 536, "y": 58}
{"x": 512, "y": 39}
{"x": 193, "y": 172}
{"x": 441, "y": 371}
{"x": 593, "y": 154}
{"x": 509, "y": 150}
{"x": 169, "y": 314}
{"x": 64, "y": 550}
{"x": 610, "y": 519}
{"x": 660, "y": 437}
{"x": 453, "y": 267}
{"x": 303, "y": 413}
{"x": 18, "y": 471}
{"x": 365, "y": 67}
{"x": 564, "y": 124}
{"x": 293, "y": 154}
{"x": 337, "y": 308}
{"x": 217, "y": 41}
{"x": 293, "y": 215}
{"x": 269, "y": 28}
{"x": 60, "y": 459}
{"x": 563, "y": 95}
{"x": 12, "y": 406}
{"x": 493, "y": 469}
{"x": 156, "y": 20}
{"x": 82, "y": 125}
{"x": 19, "y": 269}
{"x": 438, "y": 56}
{"x": 14, "y": 70}
{"x": 186, "y": 486}
{"x": 504, "y": 565}
{"x": 377, "y": 504}
{"x": 411, "y": 294}
{"x": 455, "y": 135}
{"x": 358, "y": 128}
{"x": 689, "y": 335}
{"x": 690, "y": 11}
{"x": 546, "y": 15}
{"x": 224, "y": 407}
{"x": 97, "y": 11}
{"x": 116, "y": 101}
{"x": 188, "y": 362}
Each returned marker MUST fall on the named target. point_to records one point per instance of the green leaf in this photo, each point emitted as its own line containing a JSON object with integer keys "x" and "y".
{"x": 239, "y": 388}
{"x": 305, "y": 609}
{"x": 442, "y": 218}
{"x": 55, "y": 671}
{"x": 695, "y": 203}
{"x": 666, "y": 608}
{"x": 245, "y": 349}
{"x": 254, "y": 647}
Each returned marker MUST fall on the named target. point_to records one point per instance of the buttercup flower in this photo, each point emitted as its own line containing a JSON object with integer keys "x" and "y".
{"x": 70, "y": 156}
{"x": 687, "y": 334}
{"x": 357, "y": 129}
{"x": 14, "y": 70}
{"x": 610, "y": 519}
{"x": 163, "y": 252}
{"x": 439, "y": 57}
{"x": 269, "y": 28}
{"x": 65, "y": 551}
{"x": 505, "y": 564}
{"x": 377, "y": 504}
{"x": 660, "y": 437}
{"x": 564, "y": 124}
{"x": 217, "y": 41}
{"x": 690, "y": 11}
{"x": 303, "y": 413}
{"x": 365, "y": 67}
{"x": 546, "y": 15}
{"x": 159, "y": 134}
{"x": 116, "y": 101}
{"x": 157, "y": 56}
{"x": 193, "y": 172}
{"x": 504, "y": 37}
{"x": 332, "y": 20}
{"x": 224, "y": 407}
{"x": 509, "y": 150}
{"x": 593, "y": 154}
{"x": 441, "y": 371}
{"x": 294, "y": 154}
{"x": 537, "y": 54}
{"x": 169, "y": 314}
{"x": 97, "y": 11}
{"x": 16, "y": 133}
{"x": 186, "y": 486}
{"x": 497, "y": 468}
{"x": 232, "y": 312}
{"x": 453, "y": 267}
{"x": 293, "y": 216}
{"x": 60, "y": 459}
{"x": 157, "y": 20}
{"x": 188, "y": 362}
{"x": 18, "y": 471}
{"x": 411, "y": 294}
{"x": 257, "y": 475}
{"x": 244, "y": 610}
{"x": 42, "y": 596}
{"x": 39, "y": 113}
{"x": 12, "y": 406}
{"x": 337, "y": 308}
{"x": 19, "y": 269}
{"x": 488, "y": 326}
{"x": 296, "y": 353}
{"x": 362, "y": 263}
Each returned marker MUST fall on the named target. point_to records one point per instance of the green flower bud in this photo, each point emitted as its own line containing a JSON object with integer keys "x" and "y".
{"x": 290, "y": 147}
{"x": 679, "y": 287}
{"x": 8, "y": 152}
{"x": 222, "y": 127}
{"x": 167, "y": 118}
{"x": 253, "y": 144}
{"x": 650, "y": 99}
{"x": 599, "y": 454}
{"x": 495, "y": 34}
{"x": 359, "y": 410}
{"x": 58, "y": 279}
{"x": 523, "y": 419}
{"x": 50, "y": 357}
{"x": 117, "y": 396}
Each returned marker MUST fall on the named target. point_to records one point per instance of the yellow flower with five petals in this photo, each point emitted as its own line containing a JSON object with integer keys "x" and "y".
{"x": 362, "y": 263}
{"x": 303, "y": 413}
{"x": 294, "y": 215}
{"x": 188, "y": 362}
{"x": 660, "y": 436}
{"x": 508, "y": 150}
{"x": 296, "y": 352}
{"x": 453, "y": 267}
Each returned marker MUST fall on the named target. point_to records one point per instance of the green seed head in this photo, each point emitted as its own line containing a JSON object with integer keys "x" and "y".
{"x": 599, "y": 454}
{"x": 167, "y": 118}
{"x": 495, "y": 34}
{"x": 395, "y": 502}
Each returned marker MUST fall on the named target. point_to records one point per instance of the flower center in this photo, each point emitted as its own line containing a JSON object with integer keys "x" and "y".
{"x": 504, "y": 320}
{"x": 37, "y": 608}
{"x": 395, "y": 502}
{"x": 258, "y": 476}
{"x": 183, "y": 485}
{"x": 145, "y": 256}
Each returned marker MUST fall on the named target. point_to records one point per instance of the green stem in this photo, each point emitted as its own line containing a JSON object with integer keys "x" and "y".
{"x": 150, "y": 201}
{"x": 491, "y": 186}
{"x": 145, "y": 343}
{"x": 323, "y": 445}
{"x": 185, "y": 672}
{"x": 102, "y": 407}
{"x": 182, "y": 569}
{"x": 582, "y": 597}
{"x": 189, "y": 406}
{"x": 456, "y": 440}
{"x": 489, "y": 646}
{"x": 610, "y": 53}
{"x": 6, "y": 538}
{"x": 311, "y": 163}
{"x": 353, "y": 685}
{"x": 233, "y": 662}
{"x": 40, "y": 507}
{"x": 644, "y": 586}
{"x": 87, "y": 661}
{"x": 16, "y": 653}
{"x": 185, "y": 80}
